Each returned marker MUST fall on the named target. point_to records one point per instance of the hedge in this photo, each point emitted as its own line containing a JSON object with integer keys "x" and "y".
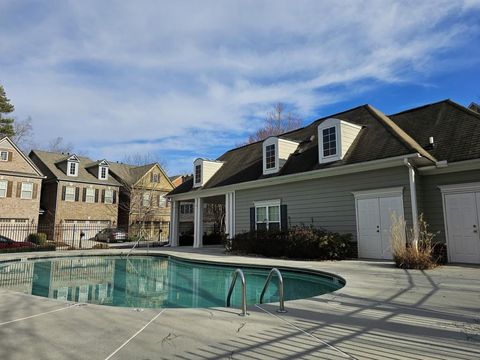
{"x": 298, "y": 242}
{"x": 47, "y": 247}
{"x": 37, "y": 238}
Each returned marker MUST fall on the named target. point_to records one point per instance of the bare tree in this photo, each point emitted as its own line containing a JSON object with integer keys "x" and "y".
{"x": 58, "y": 144}
{"x": 277, "y": 121}
{"x": 23, "y": 134}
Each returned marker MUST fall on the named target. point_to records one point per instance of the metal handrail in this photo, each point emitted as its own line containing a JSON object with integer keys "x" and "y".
{"x": 244, "y": 290}
{"x": 280, "y": 288}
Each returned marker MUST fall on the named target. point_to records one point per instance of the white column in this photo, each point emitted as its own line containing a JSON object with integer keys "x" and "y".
{"x": 198, "y": 223}
{"x": 174, "y": 223}
{"x": 413, "y": 199}
{"x": 230, "y": 214}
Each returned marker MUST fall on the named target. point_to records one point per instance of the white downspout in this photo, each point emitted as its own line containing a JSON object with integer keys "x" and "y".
{"x": 413, "y": 200}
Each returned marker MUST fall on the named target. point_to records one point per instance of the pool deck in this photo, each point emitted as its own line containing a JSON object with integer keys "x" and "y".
{"x": 381, "y": 313}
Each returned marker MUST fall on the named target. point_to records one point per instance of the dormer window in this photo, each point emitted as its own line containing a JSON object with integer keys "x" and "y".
{"x": 329, "y": 141}
{"x": 72, "y": 169}
{"x": 335, "y": 138}
{"x": 198, "y": 174}
{"x": 103, "y": 173}
{"x": 270, "y": 157}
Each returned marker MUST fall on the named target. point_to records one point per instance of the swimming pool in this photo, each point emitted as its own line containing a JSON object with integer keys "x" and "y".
{"x": 153, "y": 281}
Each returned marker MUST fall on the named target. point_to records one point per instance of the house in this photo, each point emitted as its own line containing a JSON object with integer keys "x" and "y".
{"x": 143, "y": 203}
{"x": 78, "y": 194}
{"x": 349, "y": 173}
{"x": 20, "y": 186}
{"x": 177, "y": 180}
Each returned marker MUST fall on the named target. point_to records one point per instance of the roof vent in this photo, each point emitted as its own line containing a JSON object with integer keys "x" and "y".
{"x": 431, "y": 142}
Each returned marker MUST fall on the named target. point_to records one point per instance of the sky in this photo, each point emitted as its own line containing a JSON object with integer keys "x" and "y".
{"x": 180, "y": 80}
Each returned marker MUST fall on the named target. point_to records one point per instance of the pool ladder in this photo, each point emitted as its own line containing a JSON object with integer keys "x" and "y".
{"x": 239, "y": 272}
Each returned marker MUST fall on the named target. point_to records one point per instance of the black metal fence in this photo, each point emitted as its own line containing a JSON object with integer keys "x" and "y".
{"x": 86, "y": 236}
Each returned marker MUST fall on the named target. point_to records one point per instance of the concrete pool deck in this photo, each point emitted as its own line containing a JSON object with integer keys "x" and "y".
{"x": 381, "y": 313}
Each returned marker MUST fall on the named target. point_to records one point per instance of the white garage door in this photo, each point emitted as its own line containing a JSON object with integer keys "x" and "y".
{"x": 374, "y": 221}
{"x": 462, "y": 220}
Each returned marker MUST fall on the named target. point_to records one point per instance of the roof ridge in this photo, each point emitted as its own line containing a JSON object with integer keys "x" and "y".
{"x": 400, "y": 133}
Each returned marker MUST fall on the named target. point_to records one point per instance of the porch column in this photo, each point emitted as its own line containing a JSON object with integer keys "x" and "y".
{"x": 413, "y": 199}
{"x": 230, "y": 214}
{"x": 174, "y": 223}
{"x": 198, "y": 223}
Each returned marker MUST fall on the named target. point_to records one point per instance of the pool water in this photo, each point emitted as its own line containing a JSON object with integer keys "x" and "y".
{"x": 153, "y": 282}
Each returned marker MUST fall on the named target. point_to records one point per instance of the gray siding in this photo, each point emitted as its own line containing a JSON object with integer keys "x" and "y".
{"x": 327, "y": 202}
{"x": 431, "y": 197}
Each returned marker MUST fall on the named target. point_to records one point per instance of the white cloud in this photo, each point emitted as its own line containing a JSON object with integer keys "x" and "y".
{"x": 194, "y": 75}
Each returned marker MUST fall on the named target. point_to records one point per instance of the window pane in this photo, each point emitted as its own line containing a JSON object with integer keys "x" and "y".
{"x": 261, "y": 214}
{"x": 198, "y": 174}
{"x": 3, "y": 188}
{"x": 273, "y": 213}
{"x": 4, "y": 156}
{"x": 329, "y": 141}
{"x": 270, "y": 156}
{"x": 274, "y": 226}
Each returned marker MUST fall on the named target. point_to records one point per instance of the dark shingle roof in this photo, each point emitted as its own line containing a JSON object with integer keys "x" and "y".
{"x": 49, "y": 163}
{"x": 379, "y": 138}
{"x": 130, "y": 174}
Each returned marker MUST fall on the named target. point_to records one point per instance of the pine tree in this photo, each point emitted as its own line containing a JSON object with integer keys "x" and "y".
{"x": 6, "y": 123}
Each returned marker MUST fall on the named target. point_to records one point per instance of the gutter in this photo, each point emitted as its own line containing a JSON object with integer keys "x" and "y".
{"x": 307, "y": 175}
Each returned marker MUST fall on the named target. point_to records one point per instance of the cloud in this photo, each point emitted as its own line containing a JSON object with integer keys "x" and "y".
{"x": 186, "y": 78}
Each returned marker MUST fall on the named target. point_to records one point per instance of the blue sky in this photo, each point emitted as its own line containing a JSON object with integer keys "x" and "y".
{"x": 187, "y": 79}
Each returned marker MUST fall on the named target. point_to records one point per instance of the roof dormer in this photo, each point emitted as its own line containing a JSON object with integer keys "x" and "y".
{"x": 335, "y": 138}
{"x": 72, "y": 165}
{"x": 103, "y": 170}
{"x": 203, "y": 170}
{"x": 275, "y": 153}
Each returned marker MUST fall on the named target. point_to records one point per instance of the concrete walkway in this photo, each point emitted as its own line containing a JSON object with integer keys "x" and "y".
{"x": 381, "y": 313}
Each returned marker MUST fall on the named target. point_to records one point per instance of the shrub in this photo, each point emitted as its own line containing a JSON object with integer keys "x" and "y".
{"x": 47, "y": 247}
{"x": 411, "y": 253}
{"x": 299, "y": 242}
{"x": 37, "y": 238}
{"x": 100, "y": 246}
{"x": 214, "y": 238}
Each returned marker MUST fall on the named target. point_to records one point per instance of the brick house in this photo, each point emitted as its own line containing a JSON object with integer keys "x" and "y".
{"x": 142, "y": 201}
{"x": 20, "y": 186}
{"x": 78, "y": 193}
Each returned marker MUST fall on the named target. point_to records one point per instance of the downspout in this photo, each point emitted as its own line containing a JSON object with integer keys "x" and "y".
{"x": 413, "y": 200}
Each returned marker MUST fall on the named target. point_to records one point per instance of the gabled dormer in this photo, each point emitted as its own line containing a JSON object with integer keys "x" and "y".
{"x": 203, "y": 170}
{"x": 72, "y": 165}
{"x": 103, "y": 170}
{"x": 335, "y": 138}
{"x": 275, "y": 153}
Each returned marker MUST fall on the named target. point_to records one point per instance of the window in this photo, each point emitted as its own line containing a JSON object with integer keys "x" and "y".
{"x": 162, "y": 201}
{"x": 186, "y": 209}
{"x": 146, "y": 200}
{"x": 198, "y": 174}
{"x": 72, "y": 169}
{"x": 108, "y": 196}
{"x": 103, "y": 172}
{"x": 27, "y": 191}
{"x": 69, "y": 193}
{"x": 3, "y": 188}
{"x": 329, "y": 141}
{"x": 3, "y": 155}
{"x": 155, "y": 178}
{"x": 268, "y": 216}
{"x": 90, "y": 195}
{"x": 270, "y": 156}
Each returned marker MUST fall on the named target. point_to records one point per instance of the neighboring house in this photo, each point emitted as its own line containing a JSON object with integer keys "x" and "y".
{"x": 78, "y": 193}
{"x": 177, "y": 180}
{"x": 20, "y": 186}
{"x": 143, "y": 202}
{"x": 348, "y": 173}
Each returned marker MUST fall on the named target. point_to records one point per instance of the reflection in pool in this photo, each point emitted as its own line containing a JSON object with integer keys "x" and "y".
{"x": 151, "y": 282}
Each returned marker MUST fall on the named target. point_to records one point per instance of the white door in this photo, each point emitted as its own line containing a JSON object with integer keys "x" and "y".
{"x": 374, "y": 219}
{"x": 462, "y": 217}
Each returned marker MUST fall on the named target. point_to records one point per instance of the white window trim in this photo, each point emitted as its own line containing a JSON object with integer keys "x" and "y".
{"x": 100, "y": 168}
{"x": 460, "y": 188}
{"x": 110, "y": 191}
{"x": 22, "y": 190}
{"x": 67, "y": 194}
{"x": 5, "y": 189}
{"x": 162, "y": 201}
{"x": 267, "y": 204}
{"x": 270, "y": 141}
{"x": 92, "y": 196}
{"x": 69, "y": 164}
{"x": 328, "y": 123}
{"x": 3, "y": 152}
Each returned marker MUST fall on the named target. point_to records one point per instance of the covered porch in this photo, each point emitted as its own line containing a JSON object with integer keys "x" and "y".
{"x": 202, "y": 215}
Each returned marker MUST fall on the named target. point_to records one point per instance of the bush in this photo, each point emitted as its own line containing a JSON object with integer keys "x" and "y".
{"x": 214, "y": 238}
{"x": 47, "y": 247}
{"x": 411, "y": 253}
{"x": 37, "y": 238}
{"x": 100, "y": 246}
{"x": 298, "y": 242}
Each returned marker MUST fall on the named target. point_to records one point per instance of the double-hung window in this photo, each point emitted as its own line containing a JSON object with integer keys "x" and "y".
{"x": 198, "y": 174}
{"x": 155, "y": 178}
{"x": 186, "y": 209}
{"x": 27, "y": 190}
{"x": 270, "y": 158}
{"x": 103, "y": 172}
{"x": 108, "y": 196}
{"x": 162, "y": 201}
{"x": 329, "y": 141}
{"x": 267, "y": 215}
{"x": 3, "y": 188}
{"x": 146, "y": 199}
{"x": 90, "y": 195}
{"x": 3, "y": 155}
{"x": 69, "y": 193}
{"x": 72, "y": 168}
